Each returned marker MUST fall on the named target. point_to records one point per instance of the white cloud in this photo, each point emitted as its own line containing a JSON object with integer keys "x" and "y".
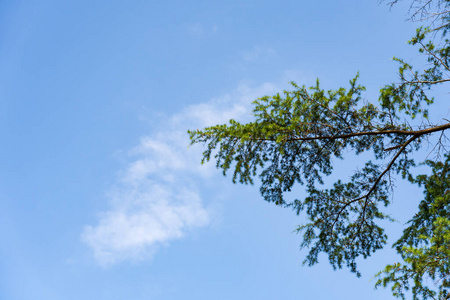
{"x": 157, "y": 198}
{"x": 142, "y": 219}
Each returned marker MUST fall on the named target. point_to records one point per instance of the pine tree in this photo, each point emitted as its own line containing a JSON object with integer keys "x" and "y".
{"x": 296, "y": 134}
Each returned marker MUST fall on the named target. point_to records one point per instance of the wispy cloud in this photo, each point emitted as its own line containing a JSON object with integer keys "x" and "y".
{"x": 157, "y": 198}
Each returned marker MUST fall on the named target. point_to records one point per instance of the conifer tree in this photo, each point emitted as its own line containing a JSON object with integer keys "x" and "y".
{"x": 295, "y": 136}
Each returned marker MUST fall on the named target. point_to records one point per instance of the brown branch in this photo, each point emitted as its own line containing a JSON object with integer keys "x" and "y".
{"x": 364, "y": 133}
{"x": 434, "y": 55}
{"x": 393, "y": 148}
{"x": 389, "y": 166}
{"x": 440, "y": 27}
{"x": 425, "y": 81}
{"x": 370, "y": 133}
{"x": 372, "y": 189}
{"x": 420, "y": 9}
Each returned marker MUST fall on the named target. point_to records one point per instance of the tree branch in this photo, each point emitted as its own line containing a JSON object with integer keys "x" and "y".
{"x": 370, "y": 133}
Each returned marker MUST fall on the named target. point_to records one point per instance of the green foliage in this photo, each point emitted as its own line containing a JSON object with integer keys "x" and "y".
{"x": 425, "y": 243}
{"x": 296, "y": 135}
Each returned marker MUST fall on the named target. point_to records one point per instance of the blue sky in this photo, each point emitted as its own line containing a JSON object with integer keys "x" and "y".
{"x": 100, "y": 196}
